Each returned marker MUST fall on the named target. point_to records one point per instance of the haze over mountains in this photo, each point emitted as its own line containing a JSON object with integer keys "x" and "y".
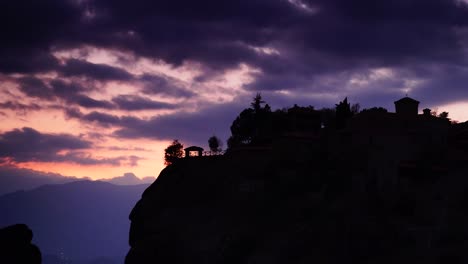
{"x": 73, "y": 219}
{"x": 129, "y": 179}
{"x": 76, "y": 222}
{"x": 13, "y": 179}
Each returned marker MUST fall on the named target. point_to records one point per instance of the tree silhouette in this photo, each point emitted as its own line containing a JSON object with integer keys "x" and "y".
{"x": 215, "y": 144}
{"x": 243, "y": 127}
{"x": 379, "y": 110}
{"x": 343, "y": 112}
{"x": 257, "y": 103}
{"x": 355, "y": 108}
{"x": 173, "y": 152}
{"x": 327, "y": 116}
{"x": 444, "y": 115}
{"x": 253, "y": 125}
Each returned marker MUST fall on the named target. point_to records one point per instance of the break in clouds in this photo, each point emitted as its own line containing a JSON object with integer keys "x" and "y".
{"x": 29, "y": 145}
{"x": 153, "y": 69}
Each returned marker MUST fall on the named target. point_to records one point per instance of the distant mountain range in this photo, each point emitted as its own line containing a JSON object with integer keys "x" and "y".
{"x": 129, "y": 179}
{"x": 14, "y": 179}
{"x": 76, "y": 222}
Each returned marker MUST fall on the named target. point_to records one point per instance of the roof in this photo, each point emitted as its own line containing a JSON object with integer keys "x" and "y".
{"x": 406, "y": 99}
{"x": 194, "y": 148}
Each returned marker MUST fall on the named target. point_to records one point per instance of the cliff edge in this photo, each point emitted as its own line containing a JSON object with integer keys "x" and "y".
{"x": 260, "y": 207}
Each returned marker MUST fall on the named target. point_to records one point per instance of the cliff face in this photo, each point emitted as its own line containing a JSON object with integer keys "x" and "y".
{"x": 213, "y": 210}
{"x": 258, "y": 208}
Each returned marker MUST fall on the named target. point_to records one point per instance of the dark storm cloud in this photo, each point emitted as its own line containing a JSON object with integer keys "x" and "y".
{"x": 35, "y": 87}
{"x": 30, "y": 29}
{"x": 27, "y": 144}
{"x": 30, "y": 145}
{"x": 163, "y": 85}
{"x": 450, "y": 85}
{"x": 88, "y": 102}
{"x": 330, "y": 37}
{"x": 215, "y": 33}
{"x": 101, "y": 72}
{"x": 101, "y": 119}
{"x": 71, "y": 93}
{"x": 26, "y": 60}
{"x": 219, "y": 34}
{"x": 16, "y": 106}
{"x": 134, "y": 102}
{"x": 193, "y": 127}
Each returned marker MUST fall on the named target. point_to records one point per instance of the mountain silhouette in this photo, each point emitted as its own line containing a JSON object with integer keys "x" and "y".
{"x": 129, "y": 179}
{"x": 15, "y": 179}
{"x": 76, "y": 222}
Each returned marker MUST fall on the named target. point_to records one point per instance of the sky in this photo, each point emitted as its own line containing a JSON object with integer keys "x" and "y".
{"x": 98, "y": 88}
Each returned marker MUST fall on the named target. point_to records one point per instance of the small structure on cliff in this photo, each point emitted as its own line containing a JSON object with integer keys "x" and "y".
{"x": 406, "y": 106}
{"x": 193, "y": 151}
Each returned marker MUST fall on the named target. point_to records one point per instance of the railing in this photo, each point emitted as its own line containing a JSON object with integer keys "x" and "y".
{"x": 214, "y": 153}
{"x": 209, "y": 153}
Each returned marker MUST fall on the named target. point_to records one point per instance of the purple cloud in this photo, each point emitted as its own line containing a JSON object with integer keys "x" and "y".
{"x": 101, "y": 72}
{"x": 135, "y": 102}
{"x": 29, "y": 145}
{"x": 16, "y": 106}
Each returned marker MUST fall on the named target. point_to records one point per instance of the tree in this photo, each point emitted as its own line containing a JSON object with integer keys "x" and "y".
{"x": 173, "y": 152}
{"x": 355, "y": 108}
{"x": 327, "y": 117}
{"x": 215, "y": 144}
{"x": 444, "y": 115}
{"x": 257, "y": 103}
{"x": 343, "y": 112}
{"x": 376, "y": 110}
{"x": 243, "y": 127}
{"x": 253, "y": 125}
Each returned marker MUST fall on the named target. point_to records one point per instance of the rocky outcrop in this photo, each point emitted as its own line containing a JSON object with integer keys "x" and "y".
{"x": 239, "y": 208}
{"x": 258, "y": 207}
{"x": 16, "y": 247}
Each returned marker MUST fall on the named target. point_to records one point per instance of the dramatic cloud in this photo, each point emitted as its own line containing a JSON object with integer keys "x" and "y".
{"x": 163, "y": 85}
{"x": 99, "y": 72}
{"x": 16, "y": 106}
{"x": 134, "y": 102}
{"x": 70, "y": 93}
{"x": 184, "y": 69}
{"x": 99, "y": 118}
{"x": 29, "y": 145}
{"x": 34, "y": 87}
{"x": 293, "y": 43}
{"x": 195, "y": 127}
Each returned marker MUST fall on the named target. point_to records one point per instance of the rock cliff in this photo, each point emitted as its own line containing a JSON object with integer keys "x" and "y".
{"x": 256, "y": 207}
